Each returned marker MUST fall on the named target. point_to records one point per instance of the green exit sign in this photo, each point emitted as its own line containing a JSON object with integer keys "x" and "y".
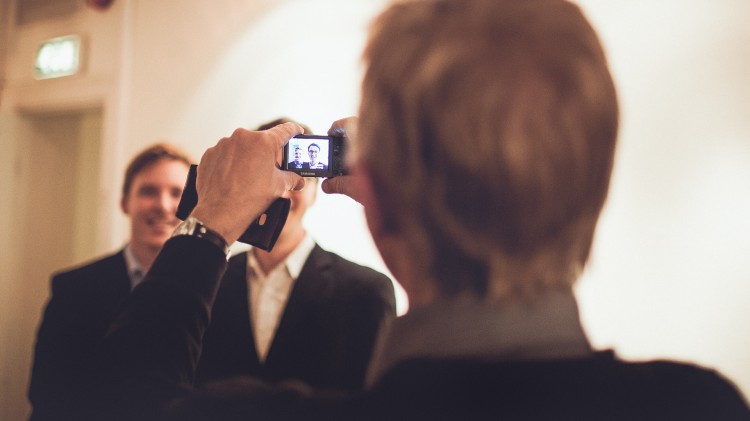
{"x": 58, "y": 57}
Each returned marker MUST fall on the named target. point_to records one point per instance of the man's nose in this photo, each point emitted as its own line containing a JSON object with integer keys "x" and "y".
{"x": 167, "y": 202}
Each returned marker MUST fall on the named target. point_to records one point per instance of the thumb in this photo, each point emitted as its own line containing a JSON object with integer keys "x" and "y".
{"x": 341, "y": 185}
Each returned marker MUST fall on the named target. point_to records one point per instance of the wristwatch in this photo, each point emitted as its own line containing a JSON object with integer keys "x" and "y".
{"x": 194, "y": 227}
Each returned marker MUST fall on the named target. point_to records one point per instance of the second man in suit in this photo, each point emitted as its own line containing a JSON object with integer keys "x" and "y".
{"x": 298, "y": 312}
{"x": 84, "y": 299}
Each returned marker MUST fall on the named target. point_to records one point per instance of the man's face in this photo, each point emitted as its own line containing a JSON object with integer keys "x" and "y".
{"x": 313, "y": 152}
{"x": 152, "y": 202}
{"x": 298, "y": 156}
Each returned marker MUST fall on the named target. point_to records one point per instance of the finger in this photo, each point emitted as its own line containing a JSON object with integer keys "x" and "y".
{"x": 340, "y": 127}
{"x": 283, "y": 132}
{"x": 339, "y": 185}
{"x": 292, "y": 181}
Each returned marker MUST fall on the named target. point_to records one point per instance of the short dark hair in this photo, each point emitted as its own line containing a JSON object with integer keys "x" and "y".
{"x": 282, "y": 120}
{"x": 150, "y": 156}
{"x": 311, "y": 145}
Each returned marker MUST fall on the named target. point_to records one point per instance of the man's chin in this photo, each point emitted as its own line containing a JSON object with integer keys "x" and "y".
{"x": 156, "y": 243}
{"x": 158, "y": 236}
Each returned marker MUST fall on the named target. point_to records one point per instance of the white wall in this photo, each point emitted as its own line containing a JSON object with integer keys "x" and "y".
{"x": 30, "y": 240}
{"x": 670, "y": 275}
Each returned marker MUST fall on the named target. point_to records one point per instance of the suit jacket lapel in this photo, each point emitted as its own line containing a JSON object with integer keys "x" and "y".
{"x": 122, "y": 279}
{"x": 302, "y": 298}
{"x": 236, "y": 307}
{"x": 106, "y": 288}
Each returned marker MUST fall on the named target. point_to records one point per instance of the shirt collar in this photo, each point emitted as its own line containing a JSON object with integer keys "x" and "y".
{"x": 547, "y": 328}
{"x": 297, "y": 258}
{"x": 134, "y": 267}
{"x": 294, "y": 262}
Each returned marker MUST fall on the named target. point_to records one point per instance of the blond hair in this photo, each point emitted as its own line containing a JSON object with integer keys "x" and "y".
{"x": 489, "y": 129}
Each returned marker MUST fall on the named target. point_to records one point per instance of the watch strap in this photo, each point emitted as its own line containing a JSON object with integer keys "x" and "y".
{"x": 262, "y": 232}
{"x": 193, "y": 227}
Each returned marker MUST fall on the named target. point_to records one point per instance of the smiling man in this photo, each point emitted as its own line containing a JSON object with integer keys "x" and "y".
{"x": 313, "y": 151}
{"x": 298, "y": 162}
{"x": 297, "y": 311}
{"x": 84, "y": 299}
{"x": 150, "y": 194}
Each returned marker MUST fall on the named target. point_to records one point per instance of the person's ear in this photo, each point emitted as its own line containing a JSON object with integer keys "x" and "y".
{"x": 374, "y": 212}
{"x": 124, "y": 204}
{"x": 388, "y": 236}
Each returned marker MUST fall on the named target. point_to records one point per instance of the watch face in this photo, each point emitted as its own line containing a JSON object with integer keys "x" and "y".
{"x": 187, "y": 227}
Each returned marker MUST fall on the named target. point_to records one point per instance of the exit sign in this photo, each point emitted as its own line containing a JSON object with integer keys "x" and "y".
{"x": 58, "y": 57}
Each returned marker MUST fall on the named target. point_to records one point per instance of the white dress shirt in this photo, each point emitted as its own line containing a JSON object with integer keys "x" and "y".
{"x": 268, "y": 293}
{"x": 135, "y": 269}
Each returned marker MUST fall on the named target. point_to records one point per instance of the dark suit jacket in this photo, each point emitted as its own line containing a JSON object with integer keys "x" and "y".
{"x": 82, "y": 305}
{"x": 306, "y": 166}
{"x": 598, "y": 387}
{"x": 325, "y": 336}
{"x": 149, "y": 357}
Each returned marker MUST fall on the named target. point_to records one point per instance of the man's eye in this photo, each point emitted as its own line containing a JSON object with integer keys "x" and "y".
{"x": 148, "y": 192}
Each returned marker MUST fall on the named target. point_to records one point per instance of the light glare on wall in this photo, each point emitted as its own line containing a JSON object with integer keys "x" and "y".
{"x": 58, "y": 57}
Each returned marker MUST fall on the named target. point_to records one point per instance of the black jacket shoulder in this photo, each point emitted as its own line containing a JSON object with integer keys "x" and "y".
{"x": 601, "y": 387}
{"x": 91, "y": 272}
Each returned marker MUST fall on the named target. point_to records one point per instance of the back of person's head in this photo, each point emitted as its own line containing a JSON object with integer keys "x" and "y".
{"x": 282, "y": 120}
{"x": 150, "y": 156}
{"x": 488, "y": 128}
